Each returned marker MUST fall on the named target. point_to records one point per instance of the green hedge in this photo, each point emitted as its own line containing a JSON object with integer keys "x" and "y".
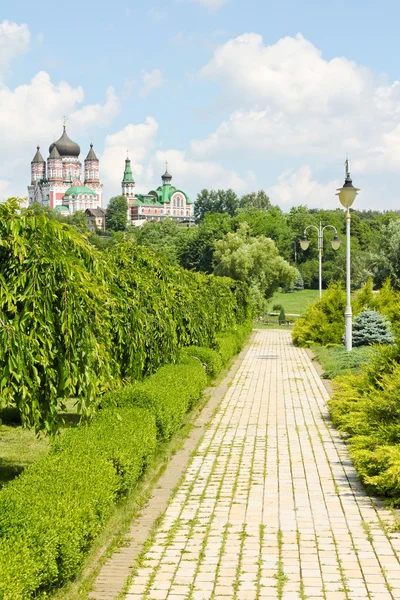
{"x": 75, "y": 322}
{"x": 51, "y": 514}
{"x": 207, "y": 356}
{"x": 230, "y": 342}
{"x": 168, "y": 394}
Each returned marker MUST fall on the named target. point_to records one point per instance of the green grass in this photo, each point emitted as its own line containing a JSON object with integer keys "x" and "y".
{"x": 19, "y": 448}
{"x": 294, "y": 302}
{"x": 335, "y": 360}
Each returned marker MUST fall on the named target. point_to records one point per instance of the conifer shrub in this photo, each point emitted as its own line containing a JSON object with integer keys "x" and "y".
{"x": 282, "y": 316}
{"x": 367, "y": 407}
{"x": 370, "y": 327}
{"x": 323, "y": 321}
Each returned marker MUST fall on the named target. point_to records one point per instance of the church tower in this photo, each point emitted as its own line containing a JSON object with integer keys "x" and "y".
{"x": 38, "y": 167}
{"x": 54, "y": 165}
{"x": 128, "y": 183}
{"x": 92, "y": 174}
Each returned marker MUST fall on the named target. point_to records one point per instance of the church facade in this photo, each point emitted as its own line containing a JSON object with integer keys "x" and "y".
{"x": 166, "y": 201}
{"x": 58, "y": 183}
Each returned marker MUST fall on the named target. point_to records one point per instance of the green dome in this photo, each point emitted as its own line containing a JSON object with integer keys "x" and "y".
{"x": 76, "y": 190}
{"x": 61, "y": 208}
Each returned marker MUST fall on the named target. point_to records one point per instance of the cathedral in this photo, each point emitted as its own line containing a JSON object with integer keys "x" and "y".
{"x": 58, "y": 184}
{"x": 166, "y": 201}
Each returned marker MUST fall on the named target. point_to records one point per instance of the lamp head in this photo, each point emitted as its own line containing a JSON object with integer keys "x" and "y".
{"x": 304, "y": 243}
{"x": 347, "y": 194}
{"x": 336, "y": 242}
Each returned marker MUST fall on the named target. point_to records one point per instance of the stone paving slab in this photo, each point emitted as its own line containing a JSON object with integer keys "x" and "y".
{"x": 270, "y": 505}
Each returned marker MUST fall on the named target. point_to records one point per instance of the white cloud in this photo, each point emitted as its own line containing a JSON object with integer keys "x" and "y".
{"x": 138, "y": 140}
{"x": 148, "y": 164}
{"x": 100, "y": 115}
{"x": 31, "y": 113}
{"x": 295, "y": 188}
{"x": 151, "y": 80}
{"x": 194, "y": 174}
{"x": 14, "y": 40}
{"x": 286, "y": 100}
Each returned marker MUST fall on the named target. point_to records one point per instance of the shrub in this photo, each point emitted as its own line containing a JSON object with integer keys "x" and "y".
{"x": 282, "y": 316}
{"x": 323, "y": 321}
{"x": 338, "y": 361}
{"x": 50, "y": 515}
{"x": 168, "y": 394}
{"x": 367, "y": 407}
{"x": 74, "y": 320}
{"x": 207, "y": 356}
{"x": 231, "y": 342}
{"x": 277, "y": 307}
{"x": 370, "y": 327}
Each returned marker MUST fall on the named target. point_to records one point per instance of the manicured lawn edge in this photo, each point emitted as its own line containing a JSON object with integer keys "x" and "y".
{"x": 47, "y": 530}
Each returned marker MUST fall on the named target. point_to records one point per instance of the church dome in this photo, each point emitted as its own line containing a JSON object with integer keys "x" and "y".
{"x": 65, "y": 146}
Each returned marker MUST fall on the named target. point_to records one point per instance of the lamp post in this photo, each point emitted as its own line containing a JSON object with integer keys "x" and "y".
{"x": 347, "y": 194}
{"x": 304, "y": 243}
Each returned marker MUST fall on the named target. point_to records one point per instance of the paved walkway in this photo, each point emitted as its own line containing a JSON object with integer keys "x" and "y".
{"x": 270, "y": 505}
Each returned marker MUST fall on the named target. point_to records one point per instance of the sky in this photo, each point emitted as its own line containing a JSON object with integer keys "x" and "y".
{"x": 234, "y": 94}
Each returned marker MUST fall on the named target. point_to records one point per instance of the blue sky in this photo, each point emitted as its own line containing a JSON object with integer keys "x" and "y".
{"x": 248, "y": 95}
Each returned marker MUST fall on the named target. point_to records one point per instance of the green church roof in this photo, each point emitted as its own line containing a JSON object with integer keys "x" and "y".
{"x": 61, "y": 208}
{"x": 79, "y": 189}
{"x": 128, "y": 177}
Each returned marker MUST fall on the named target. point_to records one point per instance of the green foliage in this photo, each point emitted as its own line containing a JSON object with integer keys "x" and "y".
{"x": 75, "y": 321}
{"x": 336, "y": 360}
{"x": 277, "y": 307}
{"x": 198, "y": 252}
{"x": 117, "y": 213}
{"x": 367, "y": 407}
{"x": 230, "y": 343}
{"x": 215, "y": 201}
{"x": 370, "y": 327}
{"x": 282, "y": 316}
{"x": 253, "y": 260}
{"x": 52, "y": 512}
{"x": 50, "y": 515}
{"x": 258, "y": 200}
{"x": 207, "y": 357}
{"x": 168, "y": 394}
{"x": 323, "y": 321}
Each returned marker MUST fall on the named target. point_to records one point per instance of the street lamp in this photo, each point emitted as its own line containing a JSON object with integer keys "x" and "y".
{"x": 304, "y": 243}
{"x": 347, "y": 194}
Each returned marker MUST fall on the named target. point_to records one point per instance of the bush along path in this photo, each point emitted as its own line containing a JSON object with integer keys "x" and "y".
{"x": 51, "y": 514}
{"x": 270, "y": 505}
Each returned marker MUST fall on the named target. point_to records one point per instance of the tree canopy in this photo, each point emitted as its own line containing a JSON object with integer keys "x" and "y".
{"x": 117, "y": 213}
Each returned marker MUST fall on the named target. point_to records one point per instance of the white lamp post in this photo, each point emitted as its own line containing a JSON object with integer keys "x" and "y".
{"x": 347, "y": 194}
{"x": 304, "y": 243}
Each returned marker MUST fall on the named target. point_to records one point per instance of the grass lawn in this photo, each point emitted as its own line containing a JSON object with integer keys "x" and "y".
{"x": 19, "y": 448}
{"x": 294, "y": 302}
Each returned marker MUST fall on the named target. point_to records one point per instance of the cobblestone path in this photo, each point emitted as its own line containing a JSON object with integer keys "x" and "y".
{"x": 270, "y": 505}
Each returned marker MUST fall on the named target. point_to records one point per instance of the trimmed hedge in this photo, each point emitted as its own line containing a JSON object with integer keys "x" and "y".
{"x": 168, "y": 394}
{"x": 206, "y": 356}
{"x": 50, "y": 515}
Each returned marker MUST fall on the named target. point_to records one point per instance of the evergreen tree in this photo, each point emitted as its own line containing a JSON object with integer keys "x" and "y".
{"x": 370, "y": 327}
{"x": 282, "y": 316}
